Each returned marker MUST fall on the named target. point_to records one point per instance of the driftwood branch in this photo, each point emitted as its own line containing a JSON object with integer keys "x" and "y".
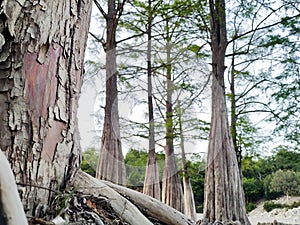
{"x": 11, "y": 208}
{"x": 152, "y": 207}
{"x": 133, "y": 205}
{"x": 124, "y": 208}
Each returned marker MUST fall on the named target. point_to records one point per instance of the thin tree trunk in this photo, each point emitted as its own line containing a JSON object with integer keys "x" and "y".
{"x": 151, "y": 183}
{"x": 234, "y": 116}
{"x": 189, "y": 202}
{"x": 41, "y": 67}
{"x": 111, "y": 164}
{"x": 172, "y": 193}
{"x": 224, "y": 197}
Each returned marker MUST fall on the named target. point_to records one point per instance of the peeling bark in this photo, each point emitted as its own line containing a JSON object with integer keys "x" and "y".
{"x": 41, "y": 67}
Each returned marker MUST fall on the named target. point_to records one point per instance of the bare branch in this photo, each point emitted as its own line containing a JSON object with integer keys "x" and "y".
{"x": 120, "y": 9}
{"x": 100, "y": 40}
{"x": 100, "y": 9}
{"x": 128, "y": 38}
{"x": 250, "y": 89}
{"x": 257, "y": 28}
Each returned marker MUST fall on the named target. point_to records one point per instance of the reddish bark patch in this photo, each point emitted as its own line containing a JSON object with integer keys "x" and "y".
{"x": 41, "y": 82}
{"x": 53, "y": 136}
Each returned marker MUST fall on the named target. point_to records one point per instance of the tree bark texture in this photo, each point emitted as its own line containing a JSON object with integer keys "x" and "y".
{"x": 151, "y": 183}
{"x": 41, "y": 68}
{"x": 224, "y": 197}
{"x": 111, "y": 165}
{"x": 172, "y": 193}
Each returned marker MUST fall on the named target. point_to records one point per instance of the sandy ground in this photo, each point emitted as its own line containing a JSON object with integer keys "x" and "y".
{"x": 291, "y": 216}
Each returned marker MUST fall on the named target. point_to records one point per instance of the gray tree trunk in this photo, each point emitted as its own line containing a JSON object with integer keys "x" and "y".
{"x": 224, "y": 196}
{"x": 172, "y": 193}
{"x": 111, "y": 165}
{"x": 41, "y": 67}
{"x": 151, "y": 183}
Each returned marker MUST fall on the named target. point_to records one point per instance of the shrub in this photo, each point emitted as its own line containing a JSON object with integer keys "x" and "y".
{"x": 250, "y": 206}
{"x": 89, "y": 161}
{"x": 269, "y": 206}
{"x": 294, "y": 205}
{"x": 284, "y": 181}
{"x": 253, "y": 189}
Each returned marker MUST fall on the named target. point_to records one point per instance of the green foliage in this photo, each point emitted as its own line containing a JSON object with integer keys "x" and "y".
{"x": 251, "y": 168}
{"x": 253, "y": 189}
{"x": 258, "y": 174}
{"x": 196, "y": 169}
{"x": 294, "y": 205}
{"x": 269, "y": 195}
{"x": 287, "y": 160}
{"x": 135, "y": 162}
{"x": 90, "y": 161}
{"x": 250, "y": 206}
{"x": 269, "y": 206}
{"x": 136, "y": 167}
{"x": 275, "y": 40}
{"x": 285, "y": 181}
{"x": 247, "y": 137}
{"x": 286, "y": 93}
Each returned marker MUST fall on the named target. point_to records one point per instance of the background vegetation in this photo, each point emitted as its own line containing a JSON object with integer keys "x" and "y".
{"x": 264, "y": 177}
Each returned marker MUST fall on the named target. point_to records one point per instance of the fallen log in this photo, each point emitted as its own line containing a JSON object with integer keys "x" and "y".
{"x": 125, "y": 209}
{"x": 11, "y": 208}
{"x": 152, "y": 207}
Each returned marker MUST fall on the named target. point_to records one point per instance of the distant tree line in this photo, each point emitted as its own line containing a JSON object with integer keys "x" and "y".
{"x": 263, "y": 177}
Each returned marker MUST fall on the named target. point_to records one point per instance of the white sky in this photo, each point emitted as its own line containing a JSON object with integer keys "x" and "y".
{"x": 88, "y": 105}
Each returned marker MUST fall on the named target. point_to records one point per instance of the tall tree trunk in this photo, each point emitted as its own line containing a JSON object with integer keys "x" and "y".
{"x": 234, "y": 116}
{"x": 172, "y": 193}
{"x": 188, "y": 195}
{"x": 151, "y": 183}
{"x": 224, "y": 197}
{"x": 111, "y": 165}
{"x": 41, "y": 67}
